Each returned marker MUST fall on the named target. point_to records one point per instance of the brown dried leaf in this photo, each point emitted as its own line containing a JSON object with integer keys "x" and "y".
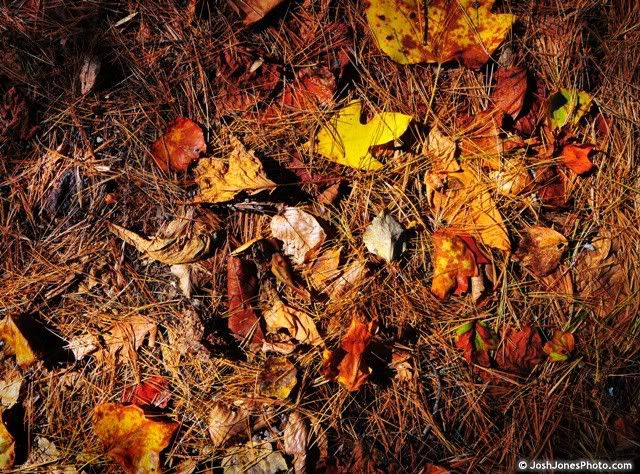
{"x": 300, "y": 233}
{"x": 541, "y": 249}
{"x": 298, "y": 324}
{"x": 510, "y": 90}
{"x": 89, "y": 73}
{"x": 296, "y": 441}
{"x": 521, "y": 350}
{"x": 7, "y": 446}
{"x": 154, "y": 391}
{"x": 225, "y": 422}
{"x": 253, "y": 10}
{"x": 324, "y": 269}
{"x": 277, "y": 378}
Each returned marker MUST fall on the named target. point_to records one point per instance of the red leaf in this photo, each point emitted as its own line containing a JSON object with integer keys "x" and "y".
{"x": 242, "y": 292}
{"x": 153, "y": 392}
{"x": 181, "y": 145}
{"x": 576, "y": 158}
{"x": 510, "y": 90}
{"x": 521, "y": 350}
{"x": 476, "y": 340}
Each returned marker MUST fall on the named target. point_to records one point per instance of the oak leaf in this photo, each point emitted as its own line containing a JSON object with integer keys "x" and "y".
{"x": 541, "y": 249}
{"x": 560, "y": 347}
{"x": 476, "y": 339}
{"x": 130, "y": 438}
{"x": 242, "y": 292}
{"x": 521, "y": 350}
{"x": 464, "y": 30}
{"x": 300, "y": 233}
{"x": 7, "y": 446}
{"x": 17, "y": 343}
{"x": 346, "y": 141}
{"x": 154, "y": 391}
{"x": 181, "y": 145}
{"x": 383, "y": 237}
{"x": 277, "y": 378}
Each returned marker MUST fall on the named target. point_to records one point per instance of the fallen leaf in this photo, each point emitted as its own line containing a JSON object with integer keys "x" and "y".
{"x": 455, "y": 260}
{"x": 281, "y": 269}
{"x": 533, "y": 112}
{"x": 346, "y": 365}
{"x": 554, "y": 190}
{"x": 300, "y": 233}
{"x": 16, "y": 342}
{"x": 84, "y": 345}
{"x": 253, "y": 458}
{"x": 512, "y": 179}
{"x": 277, "y": 378}
{"x": 183, "y": 272}
{"x": 130, "y": 438}
{"x": 44, "y": 451}
{"x": 481, "y": 136}
{"x": 14, "y": 117}
{"x": 541, "y": 249}
{"x": 576, "y": 157}
{"x": 521, "y": 350}
{"x": 441, "y": 150}
{"x": 383, "y": 237}
{"x": 403, "y": 364}
{"x": 253, "y": 10}
{"x": 225, "y": 422}
{"x": 7, "y": 446}
{"x": 296, "y": 441}
{"x": 560, "y": 347}
{"x": 221, "y": 180}
{"x": 130, "y": 334}
{"x": 464, "y": 30}
{"x": 181, "y": 145}
{"x": 242, "y": 292}
{"x": 324, "y": 269}
{"x": 88, "y": 73}
{"x": 568, "y": 106}
{"x": 10, "y": 388}
{"x": 435, "y": 469}
{"x": 299, "y": 325}
{"x": 510, "y": 90}
{"x": 351, "y": 276}
{"x": 154, "y": 391}
{"x": 476, "y": 340}
{"x": 345, "y": 140}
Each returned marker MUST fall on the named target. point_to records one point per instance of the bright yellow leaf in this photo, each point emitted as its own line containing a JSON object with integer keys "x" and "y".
{"x": 130, "y": 438}
{"x": 347, "y": 141}
{"x": 463, "y": 30}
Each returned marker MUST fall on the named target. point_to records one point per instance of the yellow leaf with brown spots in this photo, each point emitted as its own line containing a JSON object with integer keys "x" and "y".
{"x": 130, "y": 438}
{"x": 462, "y": 30}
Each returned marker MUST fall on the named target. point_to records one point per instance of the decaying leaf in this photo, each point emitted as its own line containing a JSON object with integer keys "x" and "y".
{"x": 455, "y": 260}
{"x": 560, "y": 347}
{"x": 281, "y": 269}
{"x": 225, "y": 422}
{"x": 44, "y": 451}
{"x": 383, "y": 237}
{"x": 403, "y": 364}
{"x": 16, "y": 342}
{"x": 181, "y": 145}
{"x": 345, "y": 140}
{"x": 129, "y": 335}
{"x": 576, "y": 157}
{"x": 441, "y": 151}
{"x": 253, "y": 10}
{"x": 183, "y": 272}
{"x": 299, "y": 325}
{"x": 296, "y": 441}
{"x": 541, "y": 249}
{"x": 512, "y": 178}
{"x": 221, "y": 180}
{"x": 346, "y": 365}
{"x": 130, "y": 438}
{"x": 10, "y": 388}
{"x": 154, "y": 391}
{"x": 476, "y": 339}
{"x": 242, "y": 292}
{"x": 277, "y": 378}
{"x": 300, "y": 233}
{"x": 183, "y": 240}
{"x": 521, "y": 350}
{"x": 88, "y": 73}
{"x": 7, "y": 446}
{"x": 253, "y": 458}
{"x": 568, "y": 106}
{"x": 464, "y": 30}
{"x": 510, "y": 90}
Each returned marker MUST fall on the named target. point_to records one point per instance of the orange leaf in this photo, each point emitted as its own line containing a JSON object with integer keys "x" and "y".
{"x": 510, "y": 90}
{"x": 560, "y": 347}
{"x": 181, "y": 145}
{"x": 253, "y": 10}
{"x": 346, "y": 365}
{"x": 242, "y": 292}
{"x": 130, "y": 438}
{"x": 521, "y": 350}
{"x": 576, "y": 158}
{"x": 154, "y": 391}
{"x": 17, "y": 342}
{"x": 476, "y": 340}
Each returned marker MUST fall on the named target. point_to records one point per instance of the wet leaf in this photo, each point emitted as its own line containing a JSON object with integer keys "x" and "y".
{"x": 7, "y": 446}
{"x": 299, "y": 325}
{"x": 560, "y": 347}
{"x": 476, "y": 340}
{"x": 568, "y": 106}
{"x": 253, "y": 458}
{"x": 465, "y": 31}
{"x": 576, "y": 157}
{"x": 181, "y": 145}
{"x": 296, "y": 441}
{"x": 16, "y": 343}
{"x": 277, "y": 378}
{"x": 383, "y": 237}
{"x": 242, "y": 292}
{"x": 130, "y": 438}
{"x": 521, "y": 350}
{"x": 510, "y": 90}
{"x": 253, "y": 10}
{"x": 345, "y": 140}
{"x": 541, "y": 249}
{"x": 221, "y": 180}
{"x": 225, "y": 422}
{"x": 300, "y": 233}
{"x": 154, "y": 391}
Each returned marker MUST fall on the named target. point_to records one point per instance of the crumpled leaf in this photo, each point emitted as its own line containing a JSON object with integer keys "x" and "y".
{"x": 403, "y": 363}
{"x": 346, "y": 141}
{"x": 242, "y": 292}
{"x": 253, "y": 10}
{"x": 277, "y": 378}
{"x": 296, "y": 441}
{"x": 383, "y": 237}
{"x": 253, "y": 458}
{"x": 521, "y": 350}
{"x": 225, "y": 422}
{"x": 576, "y": 157}
{"x": 481, "y": 136}
{"x": 7, "y": 446}
{"x": 281, "y": 269}
{"x": 541, "y": 249}
{"x": 464, "y": 30}
{"x": 476, "y": 339}
{"x": 181, "y": 145}
{"x": 346, "y": 365}
{"x": 10, "y": 388}
{"x": 510, "y": 90}
{"x": 130, "y": 438}
{"x": 154, "y": 391}
{"x": 221, "y": 180}
{"x": 298, "y": 324}
{"x": 16, "y": 343}
{"x": 183, "y": 272}
{"x": 560, "y": 347}
{"x": 183, "y": 240}
{"x": 300, "y": 233}
{"x": 455, "y": 260}
{"x": 568, "y": 106}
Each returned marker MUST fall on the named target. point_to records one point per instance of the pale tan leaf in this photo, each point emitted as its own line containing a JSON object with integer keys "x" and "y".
{"x": 324, "y": 269}
{"x": 10, "y": 388}
{"x": 300, "y": 233}
{"x": 441, "y": 151}
{"x": 88, "y": 73}
{"x": 296, "y": 441}
{"x": 382, "y": 237}
{"x": 7, "y": 447}
{"x": 183, "y": 272}
{"x": 352, "y": 275}
{"x": 253, "y": 458}
{"x": 298, "y": 324}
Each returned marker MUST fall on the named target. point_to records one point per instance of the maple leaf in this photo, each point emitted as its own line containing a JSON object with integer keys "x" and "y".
{"x": 541, "y": 249}
{"x": 521, "y": 350}
{"x": 345, "y": 140}
{"x": 154, "y": 391}
{"x": 346, "y": 365}
{"x": 576, "y": 157}
{"x": 181, "y": 145}
{"x": 568, "y": 106}
{"x": 130, "y": 438}
{"x": 253, "y": 10}
{"x": 17, "y": 343}
{"x": 464, "y": 30}
{"x": 221, "y": 180}
{"x": 277, "y": 378}
{"x": 476, "y": 339}
{"x": 300, "y": 233}
{"x": 7, "y": 446}
{"x": 560, "y": 347}
{"x": 242, "y": 291}
{"x": 510, "y": 90}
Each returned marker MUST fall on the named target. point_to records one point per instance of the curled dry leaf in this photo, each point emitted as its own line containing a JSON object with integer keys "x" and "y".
{"x": 510, "y": 90}
{"x": 403, "y": 364}
{"x": 568, "y": 106}
{"x": 346, "y": 365}
{"x": 221, "y": 180}
{"x": 183, "y": 272}
{"x": 154, "y": 391}
{"x": 560, "y": 347}
{"x": 299, "y": 325}
{"x": 130, "y": 438}
{"x": 481, "y": 137}
{"x": 383, "y": 237}
{"x": 521, "y": 350}
{"x": 253, "y": 10}
{"x": 346, "y": 141}
{"x": 300, "y": 233}
{"x": 465, "y": 31}
{"x": 541, "y": 249}
{"x": 296, "y": 441}
{"x": 43, "y": 452}
{"x": 476, "y": 339}
{"x": 225, "y": 422}
{"x": 277, "y": 378}
{"x": 16, "y": 342}
{"x": 7, "y": 446}
{"x": 242, "y": 292}
{"x": 253, "y": 458}
{"x": 10, "y": 388}
{"x": 576, "y": 157}
{"x": 181, "y": 145}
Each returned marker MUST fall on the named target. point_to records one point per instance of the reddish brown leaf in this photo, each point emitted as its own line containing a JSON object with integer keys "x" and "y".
{"x": 181, "y": 145}
{"x": 253, "y": 10}
{"x": 560, "y": 347}
{"x": 541, "y": 249}
{"x": 14, "y": 117}
{"x": 510, "y": 90}
{"x": 576, "y": 157}
{"x": 481, "y": 136}
{"x": 532, "y": 111}
{"x": 553, "y": 191}
{"x": 152, "y": 392}
{"x": 242, "y": 291}
{"x": 476, "y": 340}
{"x": 521, "y": 350}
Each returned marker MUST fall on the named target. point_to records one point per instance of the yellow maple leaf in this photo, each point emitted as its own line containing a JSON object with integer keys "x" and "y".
{"x": 347, "y": 141}
{"x": 463, "y": 30}
{"x": 130, "y": 438}
{"x": 221, "y": 180}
